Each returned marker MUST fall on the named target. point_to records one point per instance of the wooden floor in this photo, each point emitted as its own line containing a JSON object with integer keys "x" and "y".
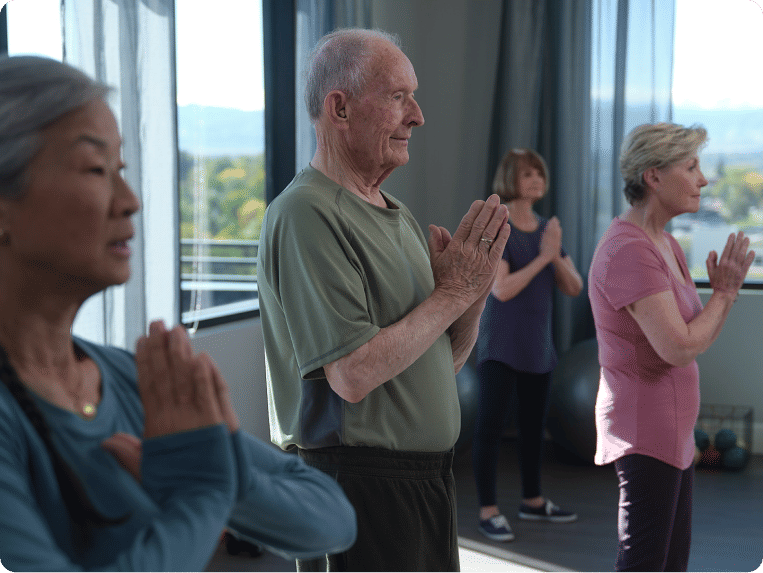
{"x": 727, "y": 530}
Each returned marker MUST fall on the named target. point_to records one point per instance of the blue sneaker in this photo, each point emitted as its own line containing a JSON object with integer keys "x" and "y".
{"x": 496, "y": 528}
{"x": 546, "y": 512}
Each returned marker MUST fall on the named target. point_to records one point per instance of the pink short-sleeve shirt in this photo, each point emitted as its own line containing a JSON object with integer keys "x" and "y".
{"x": 644, "y": 404}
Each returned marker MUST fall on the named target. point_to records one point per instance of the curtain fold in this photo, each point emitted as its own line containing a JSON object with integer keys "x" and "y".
{"x": 314, "y": 19}
{"x": 129, "y": 45}
{"x": 573, "y": 80}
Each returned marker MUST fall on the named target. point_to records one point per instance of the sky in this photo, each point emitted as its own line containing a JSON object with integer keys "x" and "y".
{"x": 718, "y": 54}
{"x": 219, "y": 52}
{"x": 716, "y": 60}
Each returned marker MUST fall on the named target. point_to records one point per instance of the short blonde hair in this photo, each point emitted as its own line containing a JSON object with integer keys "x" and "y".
{"x": 505, "y": 180}
{"x": 656, "y": 145}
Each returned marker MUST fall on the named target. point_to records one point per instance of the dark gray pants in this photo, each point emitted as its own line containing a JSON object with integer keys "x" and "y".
{"x": 405, "y": 504}
{"x": 654, "y": 520}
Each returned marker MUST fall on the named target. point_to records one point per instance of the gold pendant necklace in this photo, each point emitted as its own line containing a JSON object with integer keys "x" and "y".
{"x": 89, "y": 410}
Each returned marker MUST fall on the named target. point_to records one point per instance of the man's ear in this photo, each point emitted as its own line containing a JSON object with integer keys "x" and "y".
{"x": 335, "y": 108}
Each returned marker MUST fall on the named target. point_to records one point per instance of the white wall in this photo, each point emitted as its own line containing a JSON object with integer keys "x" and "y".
{"x": 237, "y": 349}
{"x": 731, "y": 371}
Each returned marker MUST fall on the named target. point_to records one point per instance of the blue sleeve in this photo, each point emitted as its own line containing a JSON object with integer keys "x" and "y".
{"x": 193, "y": 503}
{"x": 288, "y": 507}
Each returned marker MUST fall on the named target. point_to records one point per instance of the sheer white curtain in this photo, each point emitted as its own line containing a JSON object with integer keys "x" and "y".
{"x": 129, "y": 45}
{"x": 631, "y": 82}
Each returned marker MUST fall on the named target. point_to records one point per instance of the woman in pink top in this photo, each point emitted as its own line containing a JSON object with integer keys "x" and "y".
{"x": 650, "y": 326}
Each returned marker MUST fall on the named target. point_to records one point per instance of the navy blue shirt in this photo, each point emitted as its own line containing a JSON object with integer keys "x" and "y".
{"x": 518, "y": 332}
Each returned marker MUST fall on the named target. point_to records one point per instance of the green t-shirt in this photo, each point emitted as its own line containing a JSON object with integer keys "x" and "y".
{"x": 332, "y": 271}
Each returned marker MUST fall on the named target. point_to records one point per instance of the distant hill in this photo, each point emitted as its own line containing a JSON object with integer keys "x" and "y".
{"x": 729, "y": 131}
{"x": 220, "y": 131}
{"x": 231, "y": 131}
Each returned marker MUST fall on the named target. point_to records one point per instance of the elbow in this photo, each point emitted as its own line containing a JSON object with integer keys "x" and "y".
{"x": 329, "y": 535}
{"x": 501, "y": 295}
{"x": 681, "y": 361}
{"x": 346, "y": 383}
{"x": 680, "y": 356}
{"x": 575, "y": 289}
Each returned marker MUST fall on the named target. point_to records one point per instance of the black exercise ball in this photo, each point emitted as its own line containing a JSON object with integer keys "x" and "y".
{"x": 468, "y": 388}
{"x": 575, "y": 383}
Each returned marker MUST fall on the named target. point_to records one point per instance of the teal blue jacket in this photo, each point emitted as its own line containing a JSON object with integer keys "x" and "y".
{"x": 193, "y": 485}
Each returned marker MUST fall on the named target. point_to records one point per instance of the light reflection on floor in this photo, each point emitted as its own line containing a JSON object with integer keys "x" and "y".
{"x": 475, "y": 561}
{"x": 477, "y": 556}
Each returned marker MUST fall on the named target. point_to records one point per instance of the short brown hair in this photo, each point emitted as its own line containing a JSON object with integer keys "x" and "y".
{"x": 505, "y": 180}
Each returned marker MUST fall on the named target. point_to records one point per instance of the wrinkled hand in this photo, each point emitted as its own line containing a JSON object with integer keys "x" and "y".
{"x": 464, "y": 265}
{"x": 727, "y": 274}
{"x": 551, "y": 240}
{"x": 180, "y": 390}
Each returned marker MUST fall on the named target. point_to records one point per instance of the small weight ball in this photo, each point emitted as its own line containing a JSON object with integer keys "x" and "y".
{"x": 710, "y": 458}
{"x": 735, "y": 458}
{"x": 701, "y": 439}
{"x": 725, "y": 439}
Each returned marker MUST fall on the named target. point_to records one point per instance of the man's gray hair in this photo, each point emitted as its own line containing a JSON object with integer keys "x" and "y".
{"x": 656, "y": 145}
{"x": 35, "y": 92}
{"x": 340, "y": 61}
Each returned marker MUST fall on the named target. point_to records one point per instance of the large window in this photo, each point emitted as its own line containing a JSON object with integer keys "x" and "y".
{"x": 220, "y": 96}
{"x": 717, "y": 82}
{"x": 35, "y": 28}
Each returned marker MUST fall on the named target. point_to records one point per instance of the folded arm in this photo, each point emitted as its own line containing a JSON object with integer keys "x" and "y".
{"x": 464, "y": 268}
{"x": 290, "y": 508}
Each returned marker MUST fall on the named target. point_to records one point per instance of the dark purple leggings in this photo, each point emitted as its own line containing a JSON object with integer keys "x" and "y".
{"x": 502, "y": 387}
{"x": 654, "y": 519}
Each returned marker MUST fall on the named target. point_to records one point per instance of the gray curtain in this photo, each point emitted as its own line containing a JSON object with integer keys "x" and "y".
{"x": 315, "y": 18}
{"x": 542, "y": 102}
{"x": 575, "y": 77}
{"x": 129, "y": 45}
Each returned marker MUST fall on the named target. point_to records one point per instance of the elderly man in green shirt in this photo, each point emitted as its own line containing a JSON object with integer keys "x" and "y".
{"x": 366, "y": 322}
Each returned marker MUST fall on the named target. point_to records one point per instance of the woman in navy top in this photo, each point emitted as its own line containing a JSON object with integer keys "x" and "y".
{"x": 515, "y": 349}
{"x": 109, "y": 461}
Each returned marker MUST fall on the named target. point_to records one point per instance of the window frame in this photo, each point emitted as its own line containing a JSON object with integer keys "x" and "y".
{"x": 278, "y": 31}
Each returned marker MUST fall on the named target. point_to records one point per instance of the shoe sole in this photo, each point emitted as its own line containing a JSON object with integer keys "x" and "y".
{"x": 557, "y": 519}
{"x": 497, "y": 536}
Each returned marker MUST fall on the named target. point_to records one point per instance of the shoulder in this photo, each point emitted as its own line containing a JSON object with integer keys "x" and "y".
{"x": 623, "y": 246}
{"x": 623, "y": 236}
{"x": 310, "y": 200}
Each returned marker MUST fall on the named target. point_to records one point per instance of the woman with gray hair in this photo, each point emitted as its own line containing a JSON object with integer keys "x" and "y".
{"x": 650, "y": 327}
{"x": 110, "y": 461}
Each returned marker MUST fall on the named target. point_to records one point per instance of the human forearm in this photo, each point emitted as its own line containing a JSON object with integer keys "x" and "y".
{"x": 291, "y": 509}
{"x": 567, "y": 277}
{"x": 394, "y": 348}
{"x": 464, "y": 331}
{"x": 675, "y": 341}
{"x": 705, "y": 328}
{"x": 509, "y": 284}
